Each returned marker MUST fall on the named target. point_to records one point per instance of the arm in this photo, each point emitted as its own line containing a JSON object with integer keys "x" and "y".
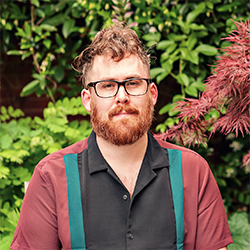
{"x": 224, "y": 248}
{"x": 206, "y": 225}
{"x": 37, "y": 226}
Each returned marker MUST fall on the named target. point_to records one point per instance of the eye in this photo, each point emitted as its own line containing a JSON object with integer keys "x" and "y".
{"x": 133, "y": 83}
{"x": 107, "y": 85}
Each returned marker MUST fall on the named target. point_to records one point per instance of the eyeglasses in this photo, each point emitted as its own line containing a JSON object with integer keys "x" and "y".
{"x": 110, "y": 88}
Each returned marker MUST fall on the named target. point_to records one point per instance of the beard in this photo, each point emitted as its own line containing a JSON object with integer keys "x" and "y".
{"x": 124, "y": 131}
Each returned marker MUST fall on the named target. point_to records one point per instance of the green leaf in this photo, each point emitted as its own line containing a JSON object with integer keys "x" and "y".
{"x": 170, "y": 121}
{"x": 247, "y": 200}
{"x": 162, "y": 76}
{"x": 240, "y": 230}
{"x": 30, "y": 88}
{"x": 3, "y": 110}
{"x": 192, "y": 91}
{"x": 26, "y": 54}
{"x": 54, "y": 147}
{"x": 59, "y": 40}
{"x": 199, "y": 85}
{"x": 184, "y": 53}
{"x": 6, "y": 36}
{"x": 192, "y": 40}
{"x": 156, "y": 71}
{"x": 55, "y": 20}
{"x": 40, "y": 13}
{"x": 228, "y": 7}
{"x": 35, "y": 2}
{"x": 210, "y": 5}
{"x": 68, "y": 26}
{"x": 195, "y": 26}
{"x": 152, "y": 37}
{"x": 167, "y": 66}
{"x": 241, "y": 197}
{"x": 15, "y": 52}
{"x": 165, "y": 109}
{"x": 71, "y": 133}
{"x": 200, "y": 34}
{"x": 20, "y": 32}
{"x": 172, "y": 111}
{"x": 4, "y": 171}
{"x": 176, "y": 38}
{"x": 177, "y": 98}
{"x": 47, "y": 43}
{"x": 6, "y": 141}
{"x": 161, "y": 127}
{"x": 171, "y": 48}
{"x": 56, "y": 128}
{"x": 27, "y": 29}
{"x": 183, "y": 79}
{"x": 16, "y": 182}
{"x": 200, "y": 8}
{"x": 48, "y": 27}
{"x": 207, "y": 50}
{"x": 193, "y": 57}
{"x": 162, "y": 45}
{"x": 59, "y": 73}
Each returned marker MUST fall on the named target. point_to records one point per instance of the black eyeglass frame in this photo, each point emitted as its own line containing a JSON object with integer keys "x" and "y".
{"x": 122, "y": 83}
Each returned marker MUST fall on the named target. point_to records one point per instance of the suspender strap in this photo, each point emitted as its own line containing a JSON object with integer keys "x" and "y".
{"x": 175, "y": 172}
{"x": 77, "y": 235}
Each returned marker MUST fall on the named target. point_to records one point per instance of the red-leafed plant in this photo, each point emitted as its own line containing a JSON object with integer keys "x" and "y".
{"x": 227, "y": 93}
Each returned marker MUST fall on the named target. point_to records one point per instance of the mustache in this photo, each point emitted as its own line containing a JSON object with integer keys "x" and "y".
{"x": 119, "y": 109}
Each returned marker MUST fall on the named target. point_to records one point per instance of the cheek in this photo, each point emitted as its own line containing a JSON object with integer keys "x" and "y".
{"x": 102, "y": 108}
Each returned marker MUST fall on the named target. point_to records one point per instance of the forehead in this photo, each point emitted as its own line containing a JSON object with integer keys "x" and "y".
{"x": 104, "y": 67}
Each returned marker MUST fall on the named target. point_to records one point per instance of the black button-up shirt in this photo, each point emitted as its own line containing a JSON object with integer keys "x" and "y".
{"x": 113, "y": 220}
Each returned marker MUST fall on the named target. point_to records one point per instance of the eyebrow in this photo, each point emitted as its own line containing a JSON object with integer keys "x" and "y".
{"x": 128, "y": 77}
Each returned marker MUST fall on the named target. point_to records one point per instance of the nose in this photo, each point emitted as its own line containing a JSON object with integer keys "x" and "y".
{"x": 122, "y": 96}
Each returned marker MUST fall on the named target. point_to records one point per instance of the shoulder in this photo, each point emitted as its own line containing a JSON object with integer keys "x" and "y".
{"x": 194, "y": 167}
{"x": 186, "y": 153}
{"x": 55, "y": 162}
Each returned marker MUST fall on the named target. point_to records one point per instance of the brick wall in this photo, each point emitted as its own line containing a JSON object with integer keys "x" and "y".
{"x": 14, "y": 75}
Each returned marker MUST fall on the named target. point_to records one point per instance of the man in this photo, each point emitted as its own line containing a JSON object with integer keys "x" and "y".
{"x": 121, "y": 188}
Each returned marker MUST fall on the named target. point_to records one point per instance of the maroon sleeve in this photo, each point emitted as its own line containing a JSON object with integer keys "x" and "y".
{"x": 37, "y": 226}
{"x": 44, "y": 221}
{"x": 206, "y": 225}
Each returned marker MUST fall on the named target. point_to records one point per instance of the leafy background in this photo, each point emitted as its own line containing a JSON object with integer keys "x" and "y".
{"x": 183, "y": 37}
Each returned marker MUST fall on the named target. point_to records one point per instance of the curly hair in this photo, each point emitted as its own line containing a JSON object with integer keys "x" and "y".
{"x": 116, "y": 41}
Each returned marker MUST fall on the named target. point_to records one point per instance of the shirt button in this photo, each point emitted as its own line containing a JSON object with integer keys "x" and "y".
{"x": 125, "y": 197}
{"x": 130, "y": 236}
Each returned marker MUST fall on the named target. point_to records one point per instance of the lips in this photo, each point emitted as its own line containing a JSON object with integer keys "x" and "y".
{"x": 123, "y": 110}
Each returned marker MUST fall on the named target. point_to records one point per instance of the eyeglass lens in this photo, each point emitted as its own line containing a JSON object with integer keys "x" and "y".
{"x": 110, "y": 88}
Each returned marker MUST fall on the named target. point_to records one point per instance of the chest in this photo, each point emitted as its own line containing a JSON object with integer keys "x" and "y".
{"x": 113, "y": 219}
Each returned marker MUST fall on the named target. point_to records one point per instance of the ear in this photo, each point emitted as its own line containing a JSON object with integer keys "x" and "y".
{"x": 154, "y": 92}
{"x": 85, "y": 96}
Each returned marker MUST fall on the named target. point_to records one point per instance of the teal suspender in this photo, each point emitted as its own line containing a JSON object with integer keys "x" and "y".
{"x": 175, "y": 172}
{"x": 74, "y": 202}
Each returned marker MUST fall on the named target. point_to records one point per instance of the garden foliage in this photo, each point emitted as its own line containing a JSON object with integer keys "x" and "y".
{"x": 183, "y": 37}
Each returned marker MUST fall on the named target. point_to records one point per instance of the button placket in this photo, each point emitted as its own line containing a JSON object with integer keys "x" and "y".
{"x": 130, "y": 236}
{"x": 124, "y": 197}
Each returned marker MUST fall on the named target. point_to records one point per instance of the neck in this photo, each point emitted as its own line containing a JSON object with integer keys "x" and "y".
{"x": 125, "y": 160}
{"x": 126, "y": 152}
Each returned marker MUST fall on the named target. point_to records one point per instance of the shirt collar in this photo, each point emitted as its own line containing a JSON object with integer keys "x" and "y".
{"x": 95, "y": 158}
{"x": 156, "y": 155}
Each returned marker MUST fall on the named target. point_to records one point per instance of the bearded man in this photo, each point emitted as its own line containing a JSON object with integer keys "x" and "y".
{"x": 121, "y": 188}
